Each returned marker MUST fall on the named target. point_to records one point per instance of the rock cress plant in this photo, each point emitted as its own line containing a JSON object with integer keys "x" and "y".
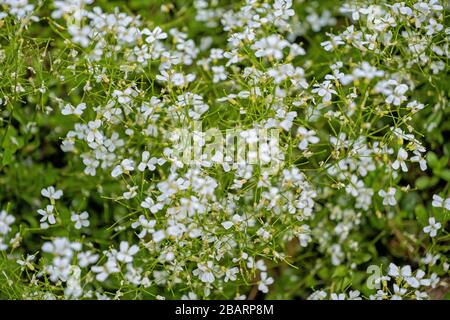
{"x": 98, "y": 98}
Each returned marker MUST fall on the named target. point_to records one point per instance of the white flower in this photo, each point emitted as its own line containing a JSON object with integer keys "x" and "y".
{"x": 395, "y": 271}
{"x": 148, "y": 162}
{"x": 69, "y": 109}
{"x": 91, "y": 165}
{"x": 304, "y": 239}
{"x": 27, "y": 262}
{"x": 406, "y": 274}
{"x": 400, "y": 162}
{"x": 398, "y": 292}
{"x": 47, "y": 216}
{"x": 418, "y": 280}
{"x": 333, "y": 43}
{"x": 204, "y": 272}
{"x": 388, "y": 197}
{"x": 283, "y": 8}
{"x": 5, "y": 221}
{"x": 19, "y": 8}
{"x": 434, "y": 280}
{"x": 86, "y": 258}
{"x": 422, "y": 162}
{"x": 397, "y": 96}
{"x": 272, "y": 46}
{"x": 175, "y": 78}
{"x": 380, "y": 295}
{"x": 148, "y": 203}
{"x": 430, "y": 259}
{"x": 415, "y": 106}
{"x": 219, "y": 73}
{"x": 439, "y": 202}
{"x": 147, "y": 226}
{"x": 104, "y": 271}
{"x": 190, "y": 296}
{"x": 354, "y": 186}
{"x": 259, "y": 265}
{"x": 126, "y": 96}
{"x": 126, "y": 252}
{"x": 306, "y": 136}
{"x": 265, "y": 282}
{"x": 125, "y": 166}
{"x": 51, "y": 193}
{"x": 59, "y": 269}
{"x": 227, "y": 224}
{"x": 131, "y": 193}
{"x": 318, "y": 295}
{"x": 324, "y": 90}
{"x": 81, "y": 220}
{"x": 354, "y": 295}
{"x": 365, "y": 70}
{"x": 156, "y": 34}
{"x": 420, "y": 295}
{"x": 230, "y": 274}
{"x": 80, "y": 35}
{"x": 340, "y": 296}
{"x": 93, "y": 134}
{"x": 61, "y": 247}
{"x": 159, "y": 235}
{"x": 432, "y": 228}
{"x": 304, "y": 236}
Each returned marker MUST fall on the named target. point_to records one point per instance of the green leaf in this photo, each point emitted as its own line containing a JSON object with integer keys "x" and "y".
{"x": 443, "y": 162}
{"x": 421, "y": 214}
{"x": 362, "y": 257}
{"x": 447, "y": 149}
{"x": 7, "y": 156}
{"x": 433, "y": 160}
{"x": 444, "y": 174}
{"x": 426, "y": 182}
{"x": 340, "y": 272}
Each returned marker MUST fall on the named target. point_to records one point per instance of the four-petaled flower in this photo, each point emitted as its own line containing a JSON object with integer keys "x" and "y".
{"x": 51, "y": 193}
{"x": 388, "y": 197}
{"x": 307, "y": 137}
{"x": 48, "y": 217}
{"x": 400, "y": 162}
{"x": 126, "y": 252}
{"x": 126, "y": 165}
{"x": 439, "y": 202}
{"x": 432, "y": 228}
{"x": 81, "y": 220}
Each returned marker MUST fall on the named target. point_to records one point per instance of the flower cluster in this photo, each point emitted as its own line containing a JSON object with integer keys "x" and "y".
{"x": 354, "y": 173}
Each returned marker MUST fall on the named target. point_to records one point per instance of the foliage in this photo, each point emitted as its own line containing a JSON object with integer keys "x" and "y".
{"x": 97, "y": 203}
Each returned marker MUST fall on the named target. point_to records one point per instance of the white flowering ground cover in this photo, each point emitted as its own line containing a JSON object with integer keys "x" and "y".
{"x": 118, "y": 175}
